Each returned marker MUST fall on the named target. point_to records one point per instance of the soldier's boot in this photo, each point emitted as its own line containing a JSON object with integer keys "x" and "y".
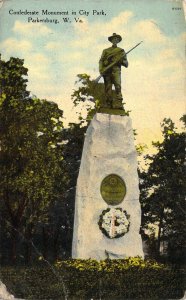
{"x": 117, "y": 103}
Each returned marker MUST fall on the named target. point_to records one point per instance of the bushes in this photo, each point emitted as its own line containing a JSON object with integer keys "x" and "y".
{"x": 108, "y": 264}
{"x": 131, "y": 278}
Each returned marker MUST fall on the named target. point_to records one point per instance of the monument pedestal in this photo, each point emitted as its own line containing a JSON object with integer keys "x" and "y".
{"x": 107, "y": 209}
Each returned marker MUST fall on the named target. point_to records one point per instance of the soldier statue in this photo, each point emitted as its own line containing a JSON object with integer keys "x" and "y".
{"x": 110, "y": 64}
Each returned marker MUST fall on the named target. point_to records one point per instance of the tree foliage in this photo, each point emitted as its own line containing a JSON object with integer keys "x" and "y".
{"x": 89, "y": 94}
{"x": 163, "y": 189}
{"x": 39, "y": 164}
{"x": 29, "y": 161}
{"x": 12, "y": 79}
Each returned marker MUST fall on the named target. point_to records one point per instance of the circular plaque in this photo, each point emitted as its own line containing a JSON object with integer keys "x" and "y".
{"x": 113, "y": 189}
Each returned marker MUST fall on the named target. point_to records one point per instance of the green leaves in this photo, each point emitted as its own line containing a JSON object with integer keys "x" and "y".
{"x": 88, "y": 95}
{"x": 12, "y": 78}
{"x": 29, "y": 166}
{"x": 163, "y": 187}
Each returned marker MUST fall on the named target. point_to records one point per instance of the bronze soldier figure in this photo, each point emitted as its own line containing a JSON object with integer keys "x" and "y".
{"x": 112, "y": 59}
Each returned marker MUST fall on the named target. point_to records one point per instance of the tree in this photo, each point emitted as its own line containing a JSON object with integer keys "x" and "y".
{"x": 162, "y": 190}
{"x": 72, "y": 152}
{"x": 12, "y": 79}
{"x": 29, "y": 155}
{"x": 89, "y": 94}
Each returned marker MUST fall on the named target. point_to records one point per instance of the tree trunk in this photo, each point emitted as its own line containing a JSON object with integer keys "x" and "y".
{"x": 28, "y": 245}
{"x": 45, "y": 243}
{"x": 14, "y": 246}
{"x": 55, "y": 244}
{"x": 159, "y": 234}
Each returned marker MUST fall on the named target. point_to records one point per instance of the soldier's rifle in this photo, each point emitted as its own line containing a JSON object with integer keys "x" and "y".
{"x": 115, "y": 62}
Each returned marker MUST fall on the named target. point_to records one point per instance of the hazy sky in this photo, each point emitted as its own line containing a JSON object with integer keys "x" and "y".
{"x": 153, "y": 85}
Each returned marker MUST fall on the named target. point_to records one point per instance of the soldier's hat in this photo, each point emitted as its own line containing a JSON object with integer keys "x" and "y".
{"x": 113, "y": 36}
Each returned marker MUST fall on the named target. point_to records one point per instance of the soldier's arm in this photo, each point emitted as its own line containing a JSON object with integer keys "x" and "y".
{"x": 124, "y": 61}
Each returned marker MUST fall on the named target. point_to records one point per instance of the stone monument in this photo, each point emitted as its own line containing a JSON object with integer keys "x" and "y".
{"x": 107, "y": 209}
{"x": 4, "y": 294}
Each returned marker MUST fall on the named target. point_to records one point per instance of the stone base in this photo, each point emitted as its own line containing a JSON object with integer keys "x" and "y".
{"x": 4, "y": 294}
{"x": 108, "y": 149}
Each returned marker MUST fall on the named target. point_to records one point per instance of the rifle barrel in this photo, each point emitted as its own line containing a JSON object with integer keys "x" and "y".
{"x": 134, "y": 47}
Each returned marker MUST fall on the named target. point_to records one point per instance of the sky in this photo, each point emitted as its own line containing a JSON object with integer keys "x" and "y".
{"x": 153, "y": 84}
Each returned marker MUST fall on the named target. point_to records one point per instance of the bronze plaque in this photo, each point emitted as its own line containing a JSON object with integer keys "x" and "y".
{"x": 113, "y": 189}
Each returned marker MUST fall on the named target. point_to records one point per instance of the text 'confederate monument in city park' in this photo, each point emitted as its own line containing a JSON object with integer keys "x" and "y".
{"x": 107, "y": 209}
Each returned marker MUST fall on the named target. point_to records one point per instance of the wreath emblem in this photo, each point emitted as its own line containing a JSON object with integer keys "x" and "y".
{"x": 114, "y": 222}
